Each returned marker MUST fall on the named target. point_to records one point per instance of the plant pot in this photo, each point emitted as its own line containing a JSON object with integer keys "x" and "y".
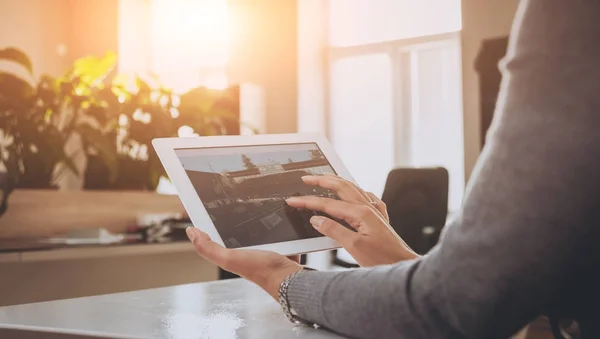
{"x": 132, "y": 175}
{"x": 38, "y": 213}
{"x": 4, "y": 195}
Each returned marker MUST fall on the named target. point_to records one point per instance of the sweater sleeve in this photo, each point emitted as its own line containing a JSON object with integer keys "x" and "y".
{"x": 530, "y": 209}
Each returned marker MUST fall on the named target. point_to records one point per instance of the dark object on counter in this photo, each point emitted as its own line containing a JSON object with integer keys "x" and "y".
{"x": 168, "y": 230}
{"x": 20, "y": 245}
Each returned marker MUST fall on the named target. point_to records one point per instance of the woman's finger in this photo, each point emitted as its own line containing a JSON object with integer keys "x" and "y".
{"x": 354, "y": 214}
{"x": 342, "y": 188}
{"x": 210, "y": 250}
{"x": 351, "y": 192}
{"x": 334, "y": 230}
{"x": 379, "y": 205}
{"x": 351, "y": 184}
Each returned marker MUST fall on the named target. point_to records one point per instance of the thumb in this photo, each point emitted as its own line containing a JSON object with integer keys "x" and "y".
{"x": 209, "y": 249}
{"x": 333, "y": 230}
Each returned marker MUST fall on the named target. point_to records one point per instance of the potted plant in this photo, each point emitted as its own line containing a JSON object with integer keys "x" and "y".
{"x": 38, "y": 119}
{"x": 148, "y": 112}
{"x": 113, "y": 119}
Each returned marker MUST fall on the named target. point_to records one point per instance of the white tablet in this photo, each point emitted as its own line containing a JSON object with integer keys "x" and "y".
{"x": 234, "y": 187}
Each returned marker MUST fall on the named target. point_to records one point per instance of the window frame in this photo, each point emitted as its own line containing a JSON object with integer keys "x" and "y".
{"x": 402, "y": 57}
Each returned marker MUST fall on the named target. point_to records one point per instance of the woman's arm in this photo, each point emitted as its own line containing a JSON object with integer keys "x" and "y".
{"x": 530, "y": 214}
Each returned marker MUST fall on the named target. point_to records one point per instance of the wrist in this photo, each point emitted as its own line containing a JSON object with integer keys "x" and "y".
{"x": 405, "y": 252}
{"x": 275, "y": 279}
{"x": 408, "y": 254}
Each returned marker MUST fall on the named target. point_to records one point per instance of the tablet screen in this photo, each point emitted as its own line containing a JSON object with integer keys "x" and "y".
{"x": 244, "y": 188}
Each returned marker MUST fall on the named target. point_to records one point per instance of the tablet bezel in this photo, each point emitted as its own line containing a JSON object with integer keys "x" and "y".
{"x": 166, "y": 147}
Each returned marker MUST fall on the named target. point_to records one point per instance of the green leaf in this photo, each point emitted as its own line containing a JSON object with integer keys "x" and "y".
{"x": 104, "y": 144}
{"x": 98, "y": 113}
{"x": 11, "y": 177}
{"x": 143, "y": 87}
{"x": 92, "y": 70}
{"x": 68, "y": 161}
{"x": 197, "y": 101}
{"x": 18, "y": 56}
{"x": 13, "y": 89}
{"x": 12, "y": 166}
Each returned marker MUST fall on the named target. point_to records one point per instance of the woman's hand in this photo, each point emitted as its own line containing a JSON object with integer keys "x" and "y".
{"x": 264, "y": 268}
{"x": 374, "y": 242}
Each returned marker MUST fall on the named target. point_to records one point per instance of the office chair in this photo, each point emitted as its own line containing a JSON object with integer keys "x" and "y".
{"x": 417, "y": 204}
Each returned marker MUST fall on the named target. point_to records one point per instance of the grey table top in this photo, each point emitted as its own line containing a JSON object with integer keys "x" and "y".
{"x": 223, "y": 309}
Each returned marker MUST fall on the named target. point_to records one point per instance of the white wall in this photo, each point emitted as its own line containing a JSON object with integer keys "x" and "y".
{"x": 37, "y": 29}
{"x": 92, "y": 28}
{"x": 265, "y": 53}
{"x": 312, "y": 89}
{"x": 56, "y": 32}
{"x": 482, "y": 19}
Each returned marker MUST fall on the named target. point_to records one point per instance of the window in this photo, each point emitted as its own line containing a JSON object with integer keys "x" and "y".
{"x": 361, "y": 109}
{"x": 382, "y": 78}
{"x": 394, "y": 85}
{"x": 436, "y": 112}
{"x": 184, "y": 42}
{"x": 361, "y": 22}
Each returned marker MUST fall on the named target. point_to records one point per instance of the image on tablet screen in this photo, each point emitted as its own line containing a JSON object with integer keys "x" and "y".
{"x": 244, "y": 188}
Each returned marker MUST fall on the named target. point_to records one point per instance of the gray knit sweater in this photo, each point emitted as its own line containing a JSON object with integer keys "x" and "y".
{"x": 527, "y": 238}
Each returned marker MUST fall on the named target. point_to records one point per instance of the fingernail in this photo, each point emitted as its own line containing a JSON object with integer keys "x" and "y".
{"x": 306, "y": 177}
{"x": 292, "y": 199}
{"x": 191, "y": 233}
{"x": 317, "y": 221}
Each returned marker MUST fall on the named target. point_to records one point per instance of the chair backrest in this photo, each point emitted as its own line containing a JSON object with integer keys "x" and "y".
{"x": 417, "y": 203}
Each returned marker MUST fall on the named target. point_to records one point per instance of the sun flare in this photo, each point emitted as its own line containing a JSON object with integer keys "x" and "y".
{"x": 188, "y": 42}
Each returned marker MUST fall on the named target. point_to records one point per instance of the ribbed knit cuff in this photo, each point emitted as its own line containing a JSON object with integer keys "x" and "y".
{"x": 306, "y": 293}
